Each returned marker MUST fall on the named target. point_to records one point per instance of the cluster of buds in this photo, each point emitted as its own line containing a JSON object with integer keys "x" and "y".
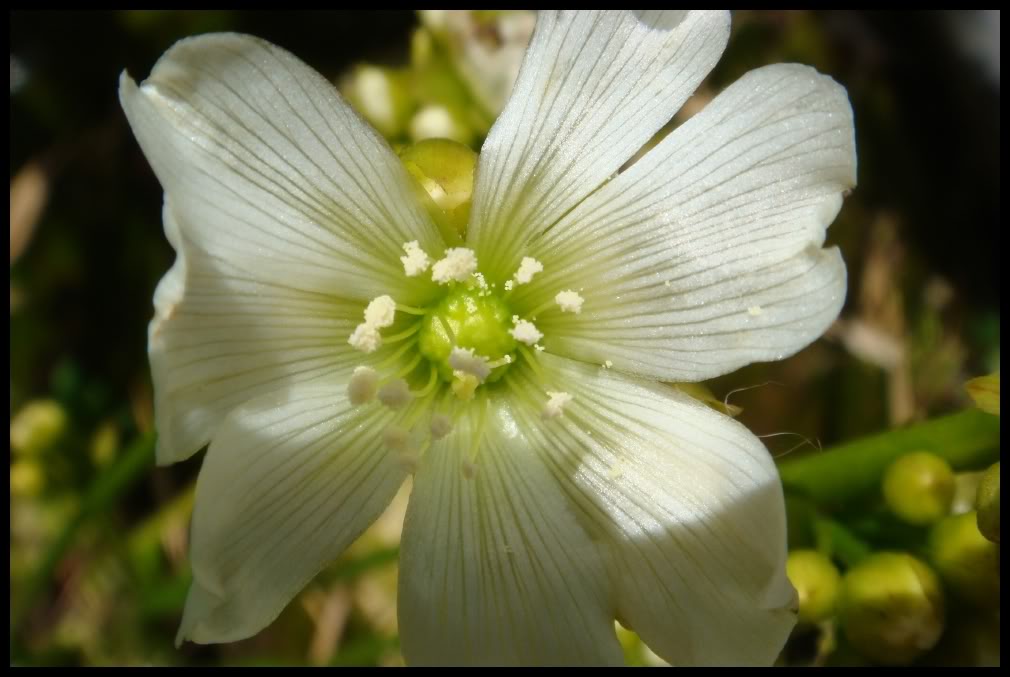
{"x": 891, "y": 606}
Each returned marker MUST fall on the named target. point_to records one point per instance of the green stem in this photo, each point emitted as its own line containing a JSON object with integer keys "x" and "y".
{"x": 835, "y": 540}
{"x": 968, "y": 440}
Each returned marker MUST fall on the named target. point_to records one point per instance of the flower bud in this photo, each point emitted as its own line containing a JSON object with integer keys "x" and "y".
{"x": 984, "y": 390}
{"x": 438, "y": 122}
{"x": 987, "y": 504}
{"x": 27, "y": 477}
{"x": 382, "y": 97}
{"x": 443, "y": 171}
{"x": 891, "y": 608}
{"x": 38, "y": 427}
{"x": 817, "y": 584}
{"x": 919, "y": 488}
{"x": 966, "y": 561}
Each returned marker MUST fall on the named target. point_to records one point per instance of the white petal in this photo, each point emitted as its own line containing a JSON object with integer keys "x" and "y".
{"x": 689, "y": 504}
{"x": 494, "y": 569}
{"x": 221, "y": 337}
{"x": 271, "y": 171}
{"x": 705, "y": 255}
{"x": 288, "y": 483}
{"x": 593, "y": 88}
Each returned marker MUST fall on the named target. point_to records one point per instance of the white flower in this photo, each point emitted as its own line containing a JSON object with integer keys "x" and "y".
{"x": 554, "y": 496}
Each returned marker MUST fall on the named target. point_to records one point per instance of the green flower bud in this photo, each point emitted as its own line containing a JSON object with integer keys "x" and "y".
{"x": 966, "y": 561}
{"x": 27, "y": 477}
{"x": 817, "y": 583}
{"x": 439, "y": 122}
{"x": 987, "y": 504}
{"x": 891, "y": 608}
{"x": 38, "y": 427}
{"x": 382, "y": 97}
{"x": 985, "y": 391}
{"x": 919, "y": 488}
{"x": 443, "y": 171}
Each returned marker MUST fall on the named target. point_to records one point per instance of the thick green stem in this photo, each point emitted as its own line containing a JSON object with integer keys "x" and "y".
{"x": 968, "y": 440}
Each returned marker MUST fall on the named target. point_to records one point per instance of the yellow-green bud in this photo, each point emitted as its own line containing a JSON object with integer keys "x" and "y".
{"x": 421, "y": 47}
{"x": 985, "y": 391}
{"x": 817, "y": 584}
{"x": 27, "y": 477}
{"x": 382, "y": 97}
{"x": 435, "y": 121}
{"x": 38, "y": 427}
{"x": 987, "y": 504}
{"x": 443, "y": 171}
{"x": 919, "y": 488}
{"x": 891, "y": 608}
{"x": 967, "y": 562}
{"x": 104, "y": 443}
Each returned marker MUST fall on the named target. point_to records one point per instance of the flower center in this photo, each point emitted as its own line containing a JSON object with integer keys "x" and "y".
{"x": 473, "y": 319}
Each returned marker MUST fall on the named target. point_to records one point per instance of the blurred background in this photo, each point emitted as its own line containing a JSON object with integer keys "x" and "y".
{"x": 98, "y": 561}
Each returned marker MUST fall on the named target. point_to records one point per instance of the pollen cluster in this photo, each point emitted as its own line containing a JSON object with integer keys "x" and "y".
{"x": 435, "y": 361}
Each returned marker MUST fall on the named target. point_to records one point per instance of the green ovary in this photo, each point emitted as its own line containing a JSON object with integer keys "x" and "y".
{"x": 467, "y": 318}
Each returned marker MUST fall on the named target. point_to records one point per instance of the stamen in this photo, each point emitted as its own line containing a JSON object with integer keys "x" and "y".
{"x": 406, "y": 333}
{"x": 411, "y": 310}
{"x": 507, "y": 359}
{"x": 441, "y": 425}
{"x": 416, "y": 261}
{"x": 363, "y": 385}
{"x": 381, "y": 312}
{"x": 395, "y": 356}
{"x": 459, "y": 263}
{"x": 528, "y": 267}
{"x": 396, "y": 438}
{"x": 464, "y": 385}
{"x": 569, "y": 301}
{"x": 410, "y": 366}
{"x": 555, "y": 405}
{"x": 432, "y": 382}
{"x": 365, "y": 338}
{"x": 525, "y": 331}
{"x": 469, "y": 465}
{"x": 464, "y": 360}
{"x": 395, "y": 394}
{"x": 531, "y": 360}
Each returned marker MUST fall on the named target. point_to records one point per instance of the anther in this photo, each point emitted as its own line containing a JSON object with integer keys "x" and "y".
{"x": 458, "y": 265}
{"x": 525, "y": 331}
{"x": 569, "y": 301}
{"x": 363, "y": 385}
{"x": 528, "y": 267}
{"x": 416, "y": 261}
{"x": 556, "y": 404}
{"x": 395, "y": 394}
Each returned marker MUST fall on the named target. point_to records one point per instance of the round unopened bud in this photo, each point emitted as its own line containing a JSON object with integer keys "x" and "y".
{"x": 891, "y": 608}
{"x": 443, "y": 171}
{"x": 919, "y": 488}
{"x": 817, "y": 584}
{"x": 382, "y": 96}
{"x": 438, "y": 122}
{"x": 37, "y": 427}
{"x": 987, "y": 504}
{"x": 966, "y": 561}
{"x": 27, "y": 477}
